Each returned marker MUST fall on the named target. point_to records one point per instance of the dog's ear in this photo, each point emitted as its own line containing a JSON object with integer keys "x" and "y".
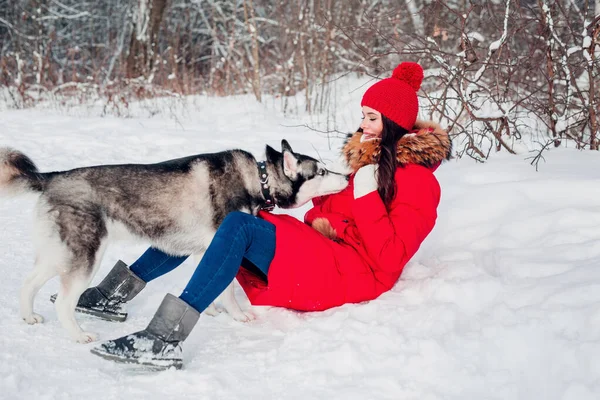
{"x": 290, "y": 162}
{"x": 285, "y": 146}
{"x": 273, "y": 156}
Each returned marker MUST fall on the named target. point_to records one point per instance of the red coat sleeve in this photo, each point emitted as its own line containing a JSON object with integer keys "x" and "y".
{"x": 392, "y": 238}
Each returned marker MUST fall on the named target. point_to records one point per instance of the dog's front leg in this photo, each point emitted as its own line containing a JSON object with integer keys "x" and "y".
{"x": 227, "y": 299}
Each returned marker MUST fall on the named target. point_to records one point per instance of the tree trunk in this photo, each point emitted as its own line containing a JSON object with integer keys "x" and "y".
{"x": 251, "y": 24}
{"x": 413, "y": 12}
{"x": 593, "y": 96}
{"x": 146, "y": 24}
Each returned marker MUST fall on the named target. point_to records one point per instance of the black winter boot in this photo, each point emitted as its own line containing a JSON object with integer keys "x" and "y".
{"x": 106, "y": 300}
{"x": 159, "y": 344}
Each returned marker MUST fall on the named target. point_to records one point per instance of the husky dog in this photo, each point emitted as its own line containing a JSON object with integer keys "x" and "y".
{"x": 175, "y": 205}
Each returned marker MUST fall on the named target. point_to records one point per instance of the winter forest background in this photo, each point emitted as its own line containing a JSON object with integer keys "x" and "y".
{"x": 496, "y": 71}
{"x": 502, "y": 301}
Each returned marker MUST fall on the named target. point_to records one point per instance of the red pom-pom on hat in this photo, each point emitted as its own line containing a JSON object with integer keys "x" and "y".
{"x": 409, "y": 72}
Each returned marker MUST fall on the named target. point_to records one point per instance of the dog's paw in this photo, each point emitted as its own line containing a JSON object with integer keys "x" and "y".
{"x": 33, "y": 319}
{"x": 212, "y": 310}
{"x": 244, "y": 316}
{"x": 86, "y": 337}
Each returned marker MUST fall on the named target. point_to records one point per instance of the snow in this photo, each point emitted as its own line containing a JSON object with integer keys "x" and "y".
{"x": 573, "y": 50}
{"x": 474, "y": 35}
{"x": 502, "y": 301}
{"x": 495, "y": 45}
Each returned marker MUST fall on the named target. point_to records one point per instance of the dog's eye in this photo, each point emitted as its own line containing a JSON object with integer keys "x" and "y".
{"x": 321, "y": 172}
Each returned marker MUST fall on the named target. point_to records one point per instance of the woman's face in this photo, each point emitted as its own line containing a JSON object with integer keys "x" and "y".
{"x": 372, "y": 124}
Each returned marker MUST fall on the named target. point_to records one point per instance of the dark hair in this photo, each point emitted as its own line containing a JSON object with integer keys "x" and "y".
{"x": 390, "y": 135}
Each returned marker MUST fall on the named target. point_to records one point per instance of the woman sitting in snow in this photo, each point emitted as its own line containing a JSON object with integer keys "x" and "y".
{"x": 351, "y": 248}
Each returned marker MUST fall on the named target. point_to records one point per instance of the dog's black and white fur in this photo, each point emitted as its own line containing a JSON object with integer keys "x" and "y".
{"x": 175, "y": 205}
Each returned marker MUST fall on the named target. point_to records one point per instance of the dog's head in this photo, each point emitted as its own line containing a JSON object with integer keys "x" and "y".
{"x": 299, "y": 178}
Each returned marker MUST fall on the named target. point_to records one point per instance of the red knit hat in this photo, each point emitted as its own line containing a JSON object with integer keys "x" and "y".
{"x": 396, "y": 97}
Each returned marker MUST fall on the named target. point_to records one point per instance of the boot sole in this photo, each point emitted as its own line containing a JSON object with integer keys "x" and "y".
{"x": 156, "y": 364}
{"x": 104, "y": 315}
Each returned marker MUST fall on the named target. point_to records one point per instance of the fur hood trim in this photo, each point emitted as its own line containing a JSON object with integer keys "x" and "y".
{"x": 427, "y": 145}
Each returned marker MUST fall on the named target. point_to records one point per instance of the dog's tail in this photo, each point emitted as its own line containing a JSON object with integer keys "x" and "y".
{"x": 18, "y": 173}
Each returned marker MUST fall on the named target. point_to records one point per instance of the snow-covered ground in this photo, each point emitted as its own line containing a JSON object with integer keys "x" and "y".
{"x": 501, "y": 302}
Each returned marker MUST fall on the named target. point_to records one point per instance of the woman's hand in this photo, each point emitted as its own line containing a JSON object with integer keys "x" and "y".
{"x": 365, "y": 180}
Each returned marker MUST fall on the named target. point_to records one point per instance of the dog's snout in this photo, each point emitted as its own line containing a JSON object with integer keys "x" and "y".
{"x": 347, "y": 177}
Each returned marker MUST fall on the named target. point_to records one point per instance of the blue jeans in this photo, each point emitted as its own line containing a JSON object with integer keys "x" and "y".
{"x": 241, "y": 240}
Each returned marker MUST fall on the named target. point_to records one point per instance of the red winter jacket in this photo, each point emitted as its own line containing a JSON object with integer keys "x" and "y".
{"x": 312, "y": 272}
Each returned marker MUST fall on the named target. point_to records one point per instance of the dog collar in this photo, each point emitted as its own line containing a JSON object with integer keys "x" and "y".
{"x": 263, "y": 177}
